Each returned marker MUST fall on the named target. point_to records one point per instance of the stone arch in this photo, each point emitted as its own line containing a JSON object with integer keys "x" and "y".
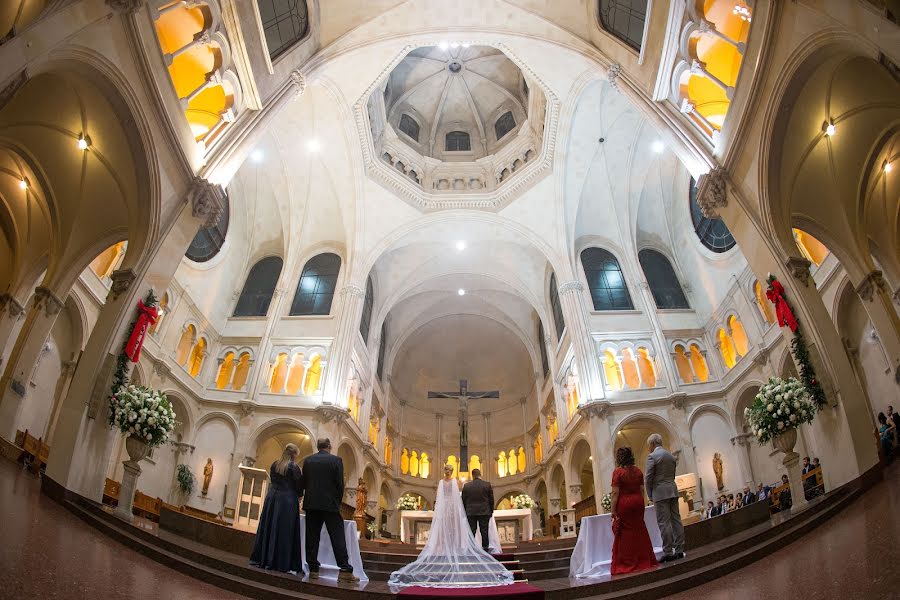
{"x": 580, "y": 470}
{"x": 711, "y": 435}
{"x": 557, "y": 488}
{"x": 634, "y": 430}
{"x": 352, "y": 463}
{"x": 868, "y": 358}
{"x": 217, "y": 415}
{"x": 270, "y": 437}
{"x": 183, "y": 416}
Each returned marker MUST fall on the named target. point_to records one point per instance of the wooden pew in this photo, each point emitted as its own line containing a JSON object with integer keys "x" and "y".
{"x": 111, "y": 492}
{"x": 36, "y": 452}
{"x": 143, "y": 506}
{"x": 585, "y": 508}
{"x": 818, "y": 485}
{"x": 200, "y": 514}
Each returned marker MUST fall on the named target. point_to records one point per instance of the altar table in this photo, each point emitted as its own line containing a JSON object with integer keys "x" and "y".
{"x": 593, "y": 550}
{"x": 328, "y": 568}
{"x": 409, "y": 518}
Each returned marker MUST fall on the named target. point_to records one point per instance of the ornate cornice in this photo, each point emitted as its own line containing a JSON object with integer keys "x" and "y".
{"x": 47, "y": 300}
{"x": 161, "y": 368}
{"x": 677, "y": 400}
{"x": 125, "y": 7}
{"x": 247, "y": 408}
{"x": 597, "y": 409}
{"x": 712, "y": 192}
{"x": 207, "y": 201}
{"x": 871, "y": 282}
{"x": 353, "y": 290}
{"x": 299, "y": 82}
{"x": 329, "y": 412}
{"x": 799, "y": 269}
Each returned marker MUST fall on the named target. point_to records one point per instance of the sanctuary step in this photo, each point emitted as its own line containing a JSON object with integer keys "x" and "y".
{"x": 379, "y": 565}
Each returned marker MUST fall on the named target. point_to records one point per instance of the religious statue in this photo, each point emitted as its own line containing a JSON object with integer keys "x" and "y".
{"x": 207, "y": 475}
{"x": 717, "y": 469}
{"x": 362, "y": 493}
{"x": 463, "y": 397}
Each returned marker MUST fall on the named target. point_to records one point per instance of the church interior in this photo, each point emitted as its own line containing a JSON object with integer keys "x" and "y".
{"x": 505, "y": 235}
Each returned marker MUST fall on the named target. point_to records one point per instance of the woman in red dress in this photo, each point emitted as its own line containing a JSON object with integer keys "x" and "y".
{"x": 632, "y": 550}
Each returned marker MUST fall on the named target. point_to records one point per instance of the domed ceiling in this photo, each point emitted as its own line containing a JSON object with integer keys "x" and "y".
{"x": 463, "y": 89}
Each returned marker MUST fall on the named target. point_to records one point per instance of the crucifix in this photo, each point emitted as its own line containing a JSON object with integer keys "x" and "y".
{"x": 463, "y": 396}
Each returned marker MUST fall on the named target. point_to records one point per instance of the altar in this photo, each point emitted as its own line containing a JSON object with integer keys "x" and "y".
{"x": 511, "y": 526}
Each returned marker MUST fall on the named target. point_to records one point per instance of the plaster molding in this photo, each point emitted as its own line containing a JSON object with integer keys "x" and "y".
{"x": 207, "y": 201}
{"x": 299, "y": 82}
{"x": 712, "y": 192}
{"x": 247, "y": 408}
{"x": 677, "y": 400}
{"x": 125, "y": 7}
{"x": 571, "y": 286}
{"x": 330, "y": 412}
{"x": 613, "y": 72}
{"x": 598, "y": 409}
{"x": 353, "y": 291}
{"x": 161, "y": 368}
{"x": 575, "y": 490}
{"x": 870, "y": 283}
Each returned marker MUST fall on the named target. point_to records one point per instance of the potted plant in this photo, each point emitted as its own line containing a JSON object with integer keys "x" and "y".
{"x": 146, "y": 418}
{"x": 185, "y": 478}
{"x": 372, "y": 529}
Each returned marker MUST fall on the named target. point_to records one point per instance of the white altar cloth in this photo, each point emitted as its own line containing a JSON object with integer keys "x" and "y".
{"x": 593, "y": 550}
{"x": 523, "y": 515}
{"x": 328, "y": 568}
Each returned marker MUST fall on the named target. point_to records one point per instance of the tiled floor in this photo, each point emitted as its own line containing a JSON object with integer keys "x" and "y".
{"x": 46, "y": 552}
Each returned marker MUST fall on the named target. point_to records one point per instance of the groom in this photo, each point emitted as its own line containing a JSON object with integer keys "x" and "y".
{"x": 478, "y": 499}
{"x": 324, "y": 483}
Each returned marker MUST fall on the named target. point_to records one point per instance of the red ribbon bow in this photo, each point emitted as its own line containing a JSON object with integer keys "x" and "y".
{"x": 783, "y": 313}
{"x": 147, "y": 316}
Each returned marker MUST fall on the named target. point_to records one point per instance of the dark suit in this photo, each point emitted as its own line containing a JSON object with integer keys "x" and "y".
{"x": 478, "y": 499}
{"x": 323, "y": 475}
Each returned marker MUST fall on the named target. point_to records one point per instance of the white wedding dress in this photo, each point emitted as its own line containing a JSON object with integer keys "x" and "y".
{"x": 451, "y": 558}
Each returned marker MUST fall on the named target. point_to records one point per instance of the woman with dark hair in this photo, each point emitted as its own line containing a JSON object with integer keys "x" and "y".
{"x": 277, "y": 544}
{"x": 886, "y": 432}
{"x": 632, "y": 550}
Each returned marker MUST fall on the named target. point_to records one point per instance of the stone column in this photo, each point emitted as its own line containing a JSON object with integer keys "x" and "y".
{"x": 873, "y": 291}
{"x": 678, "y": 419}
{"x": 574, "y": 309}
{"x": 243, "y": 453}
{"x": 22, "y": 362}
{"x": 663, "y": 368}
{"x": 603, "y": 461}
{"x": 179, "y": 449}
{"x": 743, "y": 441}
{"x": 339, "y": 354}
{"x": 257, "y": 381}
{"x": 62, "y": 388}
{"x": 487, "y": 472}
{"x": 438, "y": 425}
{"x": 10, "y": 313}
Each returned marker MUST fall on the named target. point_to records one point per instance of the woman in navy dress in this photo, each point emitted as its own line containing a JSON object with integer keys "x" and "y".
{"x": 277, "y": 544}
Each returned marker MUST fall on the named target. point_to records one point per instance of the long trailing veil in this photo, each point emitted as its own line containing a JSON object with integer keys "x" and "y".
{"x": 451, "y": 558}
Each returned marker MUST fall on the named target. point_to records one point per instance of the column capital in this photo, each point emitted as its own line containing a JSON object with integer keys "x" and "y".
{"x": 353, "y": 290}
{"x": 799, "y": 269}
{"x": 247, "y": 408}
{"x": 207, "y": 201}
{"x": 329, "y": 412}
{"x": 677, "y": 400}
{"x": 121, "y": 281}
{"x": 712, "y": 192}
{"x": 599, "y": 410}
{"x": 11, "y": 305}
{"x": 575, "y": 490}
{"x": 125, "y": 7}
{"x": 298, "y": 81}
{"x": 47, "y": 300}
{"x": 161, "y": 368}
{"x": 870, "y": 283}
{"x": 571, "y": 286}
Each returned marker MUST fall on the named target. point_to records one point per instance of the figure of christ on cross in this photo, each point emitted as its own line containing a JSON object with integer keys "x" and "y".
{"x": 463, "y": 396}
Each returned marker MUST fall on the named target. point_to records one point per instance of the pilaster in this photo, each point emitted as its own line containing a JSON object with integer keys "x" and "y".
{"x": 575, "y": 311}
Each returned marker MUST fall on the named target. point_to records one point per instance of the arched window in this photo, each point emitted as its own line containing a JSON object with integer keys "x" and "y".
{"x": 474, "y": 463}
{"x": 425, "y": 466}
{"x": 404, "y": 461}
{"x": 512, "y": 462}
{"x": 388, "y": 450}
{"x": 683, "y": 364}
{"x": 556, "y": 308}
{"x": 284, "y": 22}
{"x": 726, "y": 347}
{"x": 611, "y": 371}
{"x": 241, "y": 371}
{"x": 315, "y": 291}
{"x": 521, "y": 459}
{"x": 366, "y": 320}
{"x": 646, "y": 367}
{"x": 409, "y": 126}
{"x": 539, "y": 448}
{"x": 713, "y": 233}
{"x": 259, "y": 287}
{"x": 625, "y": 20}
{"x": 630, "y": 370}
{"x": 542, "y": 342}
{"x": 226, "y": 370}
{"x": 738, "y": 336}
{"x": 313, "y": 376}
{"x": 765, "y": 306}
{"x": 505, "y": 124}
{"x": 664, "y": 285}
{"x": 209, "y": 240}
{"x": 457, "y": 141}
{"x": 502, "y": 466}
{"x": 605, "y": 280}
{"x": 183, "y": 351}
{"x": 698, "y": 363}
{"x": 414, "y": 464}
{"x": 295, "y": 374}
{"x": 197, "y": 355}
{"x": 162, "y": 308}
{"x": 382, "y": 346}
{"x": 279, "y": 374}
{"x": 109, "y": 260}
{"x": 812, "y": 249}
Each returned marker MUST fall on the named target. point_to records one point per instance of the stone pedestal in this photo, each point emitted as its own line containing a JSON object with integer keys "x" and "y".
{"x": 137, "y": 450}
{"x": 785, "y": 443}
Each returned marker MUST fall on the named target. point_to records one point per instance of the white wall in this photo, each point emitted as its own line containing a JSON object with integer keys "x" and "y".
{"x": 215, "y": 440}
{"x": 710, "y": 434}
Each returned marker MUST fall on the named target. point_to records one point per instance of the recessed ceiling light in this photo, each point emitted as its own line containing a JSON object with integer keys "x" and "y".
{"x": 461, "y": 292}
{"x": 461, "y": 245}
{"x": 23, "y": 185}
{"x": 313, "y": 145}
{"x": 443, "y": 45}
{"x": 658, "y": 147}
{"x": 83, "y": 143}
{"x": 888, "y": 167}
{"x": 256, "y": 156}
{"x": 829, "y": 128}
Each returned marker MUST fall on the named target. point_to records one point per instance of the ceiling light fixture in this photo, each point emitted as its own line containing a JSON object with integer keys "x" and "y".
{"x": 23, "y": 184}
{"x": 256, "y": 156}
{"x": 461, "y": 245}
{"x": 658, "y": 147}
{"x": 888, "y": 167}
{"x": 461, "y": 292}
{"x": 313, "y": 145}
{"x": 84, "y": 142}
{"x": 443, "y": 45}
{"x": 454, "y": 44}
{"x": 828, "y": 127}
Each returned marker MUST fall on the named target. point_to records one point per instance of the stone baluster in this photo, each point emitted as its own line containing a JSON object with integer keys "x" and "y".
{"x": 699, "y": 68}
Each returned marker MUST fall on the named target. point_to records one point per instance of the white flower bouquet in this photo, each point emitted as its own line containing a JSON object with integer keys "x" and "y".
{"x": 522, "y": 501}
{"x": 408, "y": 502}
{"x": 606, "y": 502}
{"x": 143, "y": 413}
{"x": 780, "y": 405}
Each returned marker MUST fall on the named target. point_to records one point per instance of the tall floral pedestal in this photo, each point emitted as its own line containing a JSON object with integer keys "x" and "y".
{"x": 785, "y": 443}
{"x": 137, "y": 450}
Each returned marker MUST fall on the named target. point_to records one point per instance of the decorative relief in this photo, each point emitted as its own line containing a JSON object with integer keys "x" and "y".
{"x": 330, "y": 412}
{"x": 121, "y": 281}
{"x": 47, "y": 300}
{"x": 871, "y": 282}
{"x": 125, "y": 7}
{"x": 299, "y": 82}
{"x": 712, "y": 192}
{"x": 612, "y": 75}
{"x": 677, "y": 400}
{"x": 207, "y": 201}
{"x": 799, "y": 269}
{"x": 599, "y": 410}
{"x": 11, "y": 305}
{"x": 571, "y": 286}
{"x": 247, "y": 408}
{"x": 575, "y": 490}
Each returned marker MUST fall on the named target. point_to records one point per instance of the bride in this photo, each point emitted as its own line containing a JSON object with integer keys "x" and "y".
{"x": 451, "y": 558}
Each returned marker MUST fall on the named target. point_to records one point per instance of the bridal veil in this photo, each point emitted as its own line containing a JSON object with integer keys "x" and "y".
{"x": 451, "y": 558}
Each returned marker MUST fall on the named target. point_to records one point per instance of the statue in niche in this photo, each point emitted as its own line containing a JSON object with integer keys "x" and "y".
{"x": 362, "y": 494}
{"x": 207, "y": 476}
{"x": 717, "y": 469}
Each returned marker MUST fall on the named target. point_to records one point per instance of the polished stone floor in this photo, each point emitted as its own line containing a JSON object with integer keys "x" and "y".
{"x": 46, "y": 552}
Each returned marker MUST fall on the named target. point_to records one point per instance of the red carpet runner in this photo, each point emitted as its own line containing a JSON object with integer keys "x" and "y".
{"x": 516, "y": 591}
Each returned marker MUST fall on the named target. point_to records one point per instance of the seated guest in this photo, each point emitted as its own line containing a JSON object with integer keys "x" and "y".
{"x": 816, "y": 463}
{"x": 732, "y": 503}
{"x": 710, "y": 511}
{"x": 886, "y": 433}
{"x": 894, "y": 418}
{"x": 784, "y": 499}
{"x": 761, "y": 493}
{"x": 807, "y": 466}
{"x": 738, "y": 502}
{"x": 277, "y": 544}
{"x": 749, "y": 497}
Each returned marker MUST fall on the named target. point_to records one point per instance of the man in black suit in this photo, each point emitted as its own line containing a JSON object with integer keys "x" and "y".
{"x": 324, "y": 484}
{"x": 478, "y": 499}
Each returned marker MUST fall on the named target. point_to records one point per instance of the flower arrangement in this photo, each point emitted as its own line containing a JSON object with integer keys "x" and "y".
{"x": 522, "y": 501}
{"x": 185, "y": 478}
{"x": 780, "y": 405}
{"x": 142, "y": 413}
{"x": 372, "y": 529}
{"x": 408, "y": 502}
{"x": 606, "y": 502}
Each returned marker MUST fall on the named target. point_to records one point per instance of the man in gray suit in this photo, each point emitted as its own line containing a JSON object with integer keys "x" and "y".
{"x": 662, "y": 491}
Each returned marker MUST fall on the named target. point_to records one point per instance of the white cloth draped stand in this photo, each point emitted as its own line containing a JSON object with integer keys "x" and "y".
{"x": 493, "y": 538}
{"x": 592, "y": 556}
{"x": 328, "y": 568}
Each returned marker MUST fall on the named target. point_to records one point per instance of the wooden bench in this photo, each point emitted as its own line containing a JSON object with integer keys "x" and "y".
{"x": 144, "y": 506}
{"x": 200, "y": 514}
{"x": 585, "y": 508}
{"x": 35, "y": 452}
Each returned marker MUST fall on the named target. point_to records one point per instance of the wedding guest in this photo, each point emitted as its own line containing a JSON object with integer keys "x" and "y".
{"x": 277, "y": 544}
{"x": 761, "y": 493}
{"x": 738, "y": 502}
{"x": 784, "y": 498}
{"x": 663, "y": 492}
{"x": 749, "y": 497}
{"x": 807, "y": 465}
{"x": 886, "y": 431}
{"x": 710, "y": 511}
{"x": 894, "y": 419}
{"x": 632, "y": 550}
{"x": 723, "y": 504}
